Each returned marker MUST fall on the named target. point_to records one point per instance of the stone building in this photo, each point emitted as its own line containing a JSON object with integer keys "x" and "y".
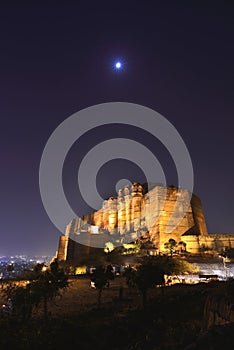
{"x": 157, "y": 212}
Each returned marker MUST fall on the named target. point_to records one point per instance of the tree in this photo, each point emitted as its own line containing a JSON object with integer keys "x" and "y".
{"x": 116, "y": 256}
{"x": 46, "y": 283}
{"x": 101, "y": 277}
{"x": 203, "y": 248}
{"x": 109, "y": 246}
{"x": 43, "y": 285}
{"x": 173, "y": 265}
{"x": 19, "y": 301}
{"x": 228, "y": 253}
{"x": 109, "y": 272}
{"x": 182, "y": 247}
{"x": 129, "y": 274}
{"x": 170, "y": 246}
{"x": 131, "y": 248}
{"x": 147, "y": 275}
{"x": 179, "y": 266}
{"x": 152, "y": 270}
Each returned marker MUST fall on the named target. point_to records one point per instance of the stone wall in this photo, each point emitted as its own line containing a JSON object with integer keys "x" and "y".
{"x": 152, "y": 209}
{"x": 217, "y": 241}
{"x": 62, "y": 249}
{"x": 192, "y": 243}
{"x": 167, "y": 215}
{"x": 198, "y": 215}
{"x": 157, "y": 211}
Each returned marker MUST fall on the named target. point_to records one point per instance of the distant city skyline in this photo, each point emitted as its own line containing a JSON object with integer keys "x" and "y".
{"x": 56, "y": 60}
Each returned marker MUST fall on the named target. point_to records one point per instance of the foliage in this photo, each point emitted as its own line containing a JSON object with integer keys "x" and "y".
{"x": 229, "y": 253}
{"x": 116, "y": 255}
{"x": 20, "y": 300}
{"x": 170, "y": 246}
{"x": 68, "y": 267}
{"x": 151, "y": 271}
{"x": 173, "y": 265}
{"x": 47, "y": 283}
{"x": 181, "y": 266}
{"x": 129, "y": 274}
{"x": 181, "y": 246}
{"x": 43, "y": 285}
{"x": 109, "y": 246}
{"x": 101, "y": 277}
{"x": 131, "y": 248}
{"x": 203, "y": 248}
{"x": 147, "y": 275}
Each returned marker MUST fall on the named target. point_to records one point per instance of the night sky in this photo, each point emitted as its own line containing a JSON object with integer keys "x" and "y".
{"x": 178, "y": 59}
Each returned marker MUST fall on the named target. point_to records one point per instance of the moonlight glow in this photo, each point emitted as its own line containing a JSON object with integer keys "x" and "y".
{"x": 118, "y": 65}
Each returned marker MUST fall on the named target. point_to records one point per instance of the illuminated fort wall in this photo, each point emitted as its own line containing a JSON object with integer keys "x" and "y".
{"x": 152, "y": 210}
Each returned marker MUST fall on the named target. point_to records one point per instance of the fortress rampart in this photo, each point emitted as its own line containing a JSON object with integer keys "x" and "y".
{"x": 137, "y": 210}
{"x": 151, "y": 210}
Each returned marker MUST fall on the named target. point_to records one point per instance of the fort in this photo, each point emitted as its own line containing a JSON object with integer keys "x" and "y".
{"x": 153, "y": 212}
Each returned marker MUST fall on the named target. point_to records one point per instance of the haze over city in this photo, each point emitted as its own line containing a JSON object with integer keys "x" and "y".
{"x": 177, "y": 58}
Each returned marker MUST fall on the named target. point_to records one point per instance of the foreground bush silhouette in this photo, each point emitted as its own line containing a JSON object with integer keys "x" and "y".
{"x": 43, "y": 285}
{"x": 100, "y": 278}
{"x": 20, "y": 301}
{"x": 150, "y": 273}
{"x": 147, "y": 275}
{"x": 170, "y": 246}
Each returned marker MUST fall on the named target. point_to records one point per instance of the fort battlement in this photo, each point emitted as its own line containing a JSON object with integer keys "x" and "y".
{"x": 148, "y": 210}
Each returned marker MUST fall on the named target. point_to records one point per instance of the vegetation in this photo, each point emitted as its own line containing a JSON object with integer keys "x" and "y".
{"x": 169, "y": 320}
{"x": 109, "y": 246}
{"x": 228, "y": 253}
{"x": 146, "y": 276}
{"x": 172, "y": 320}
{"x": 150, "y": 273}
{"x": 170, "y": 246}
{"x": 101, "y": 277}
{"x": 181, "y": 247}
{"x": 131, "y": 248}
{"x": 43, "y": 284}
{"x": 204, "y": 248}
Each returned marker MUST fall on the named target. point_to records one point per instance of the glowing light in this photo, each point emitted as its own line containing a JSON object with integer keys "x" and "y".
{"x": 80, "y": 270}
{"x": 94, "y": 229}
{"x": 109, "y": 246}
{"x": 118, "y": 65}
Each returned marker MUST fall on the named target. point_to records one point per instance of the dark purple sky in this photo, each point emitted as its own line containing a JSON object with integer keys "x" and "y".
{"x": 57, "y": 59}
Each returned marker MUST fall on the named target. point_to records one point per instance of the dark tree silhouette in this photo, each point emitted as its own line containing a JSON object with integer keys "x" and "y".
{"x": 19, "y": 301}
{"x": 148, "y": 276}
{"x": 47, "y": 283}
{"x": 101, "y": 277}
{"x": 170, "y": 246}
{"x": 44, "y": 285}
{"x": 129, "y": 274}
{"x": 152, "y": 271}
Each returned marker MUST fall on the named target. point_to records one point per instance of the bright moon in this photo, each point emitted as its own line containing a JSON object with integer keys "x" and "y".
{"x": 118, "y": 65}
